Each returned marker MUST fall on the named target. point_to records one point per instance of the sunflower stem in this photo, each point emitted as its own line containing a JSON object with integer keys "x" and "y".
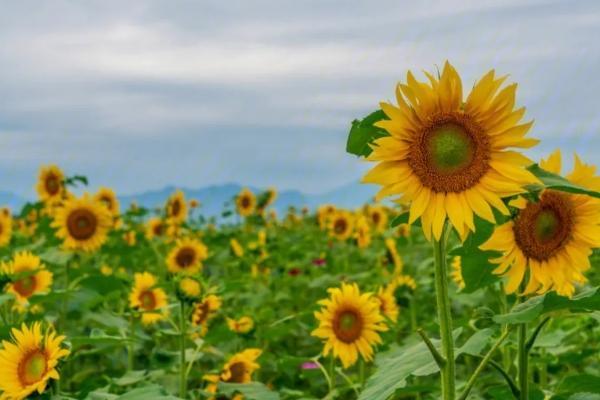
{"x": 439, "y": 360}
{"x": 332, "y": 373}
{"x": 523, "y": 363}
{"x": 130, "y": 355}
{"x": 444, "y": 316}
{"x": 182, "y": 363}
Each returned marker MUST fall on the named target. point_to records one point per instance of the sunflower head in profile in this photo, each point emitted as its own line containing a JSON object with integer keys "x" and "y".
{"x": 245, "y": 202}
{"x": 189, "y": 288}
{"x": 29, "y": 276}
{"x": 6, "y": 227}
{"x": 240, "y": 367}
{"x": 236, "y": 247}
{"x": 393, "y": 257}
{"x": 341, "y": 225}
{"x": 155, "y": 228}
{"x": 447, "y": 157}
{"x": 108, "y": 198}
{"x": 29, "y": 360}
{"x": 402, "y": 281}
{"x": 387, "y": 303}
{"x": 243, "y": 325}
{"x": 350, "y": 323}
{"x": 324, "y": 214}
{"x": 82, "y": 223}
{"x": 362, "y": 232}
{"x": 378, "y": 217}
{"x": 204, "y": 311}
{"x": 187, "y": 256}
{"x": 147, "y": 298}
{"x": 550, "y": 240}
{"x": 271, "y": 197}
{"x": 50, "y": 185}
{"x": 456, "y": 273}
{"x": 176, "y": 208}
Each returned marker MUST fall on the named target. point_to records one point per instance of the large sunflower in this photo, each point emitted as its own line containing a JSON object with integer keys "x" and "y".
{"x": 448, "y": 157}
{"x": 82, "y": 223}
{"x": 176, "y": 208}
{"x": 147, "y": 298}
{"x": 552, "y": 237}
{"x": 187, "y": 256}
{"x": 108, "y": 198}
{"x": 29, "y": 360}
{"x": 245, "y": 202}
{"x": 341, "y": 225}
{"x": 30, "y": 276}
{"x": 50, "y": 185}
{"x": 6, "y": 223}
{"x": 349, "y": 322}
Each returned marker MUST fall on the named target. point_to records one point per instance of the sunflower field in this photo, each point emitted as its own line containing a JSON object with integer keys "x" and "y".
{"x": 473, "y": 274}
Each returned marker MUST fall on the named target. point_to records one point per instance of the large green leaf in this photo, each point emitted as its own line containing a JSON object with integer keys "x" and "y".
{"x": 397, "y": 364}
{"x": 362, "y": 133}
{"x": 251, "y": 391}
{"x": 557, "y": 182}
{"x": 539, "y": 305}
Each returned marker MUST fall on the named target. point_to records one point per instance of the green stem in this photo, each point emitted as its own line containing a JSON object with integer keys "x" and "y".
{"x": 182, "y": 364}
{"x": 523, "y": 363}
{"x": 444, "y": 316}
{"x": 130, "y": 354}
{"x": 361, "y": 371}
{"x": 332, "y": 372}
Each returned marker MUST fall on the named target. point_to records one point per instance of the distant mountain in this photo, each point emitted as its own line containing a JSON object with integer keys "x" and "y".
{"x": 214, "y": 198}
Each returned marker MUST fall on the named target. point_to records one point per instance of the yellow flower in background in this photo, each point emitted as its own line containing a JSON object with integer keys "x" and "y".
{"x": 243, "y": 325}
{"x": 378, "y": 217}
{"x": 262, "y": 237}
{"x": 194, "y": 203}
{"x": 403, "y": 230}
{"x": 387, "y": 303}
{"x": 190, "y": 288}
{"x": 82, "y": 224}
{"x": 50, "y": 185}
{"x": 456, "y": 273}
{"x": 108, "y": 198}
{"x": 187, "y": 256}
{"x": 106, "y": 270}
{"x": 362, "y": 232}
{"x": 551, "y": 238}
{"x": 271, "y": 197}
{"x": 403, "y": 281}
{"x": 145, "y": 297}
{"x": 245, "y": 202}
{"x": 31, "y": 276}
{"x": 393, "y": 257}
{"x": 204, "y": 311}
{"x": 236, "y": 247}
{"x": 341, "y": 225}
{"x": 324, "y": 213}
{"x": 28, "y": 361}
{"x": 448, "y": 157}
{"x": 240, "y": 367}
{"x": 349, "y": 323}
{"x": 6, "y": 227}
{"x": 130, "y": 238}
{"x": 176, "y": 208}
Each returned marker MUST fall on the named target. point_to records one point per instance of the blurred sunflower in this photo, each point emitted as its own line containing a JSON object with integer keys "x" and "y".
{"x": 187, "y": 256}
{"x": 341, "y": 225}
{"x": 243, "y": 325}
{"x": 145, "y": 297}
{"x": 362, "y": 232}
{"x": 378, "y": 217}
{"x": 387, "y": 303}
{"x": 30, "y": 276}
{"x": 108, "y": 198}
{"x": 82, "y": 223}
{"x": 551, "y": 238}
{"x": 271, "y": 197}
{"x": 155, "y": 227}
{"x": 456, "y": 273}
{"x": 236, "y": 248}
{"x": 238, "y": 369}
{"x": 190, "y": 288}
{"x": 245, "y": 202}
{"x": 403, "y": 281}
{"x": 447, "y": 157}
{"x": 349, "y": 322}
{"x": 176, "y": 208}
{"x": 392, "y": 256}
{"x": 324, "y": 213}
{"x": 29, "y": 361}
{"x": 204, "y": 311}
{"x": 130, "y": 238}
{"x": 50, "y": 185}
{"x": 6, "y": 229}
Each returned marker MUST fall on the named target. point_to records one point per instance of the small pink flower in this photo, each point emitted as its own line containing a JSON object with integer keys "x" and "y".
{"x": 309, "y": 365}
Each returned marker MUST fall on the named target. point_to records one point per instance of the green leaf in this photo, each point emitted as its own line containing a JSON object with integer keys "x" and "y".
{"x": 56, "y": 256}
{"x": 539, "y": 305}
{"x": 251, "y": 391}
{"x": 102, "y": 284}
{"x": 396, "y": 365}
{"x": 362, "y": 133}
{"x": 153, "y": 392}
{"x": 584, "y": 383}
{"x": 130, "y": 378}
{"x": 557, "y": 182}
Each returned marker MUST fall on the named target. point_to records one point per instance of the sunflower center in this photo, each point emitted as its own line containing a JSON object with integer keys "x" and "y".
{"x": 245, "y": 202}
{"x": 33, "y": 367}
{"x": 52, "y": 185}
{"x": 82, "y": 224}
{"x": 347, "y": 326}
{"x": 158, "y": 229}
{"x": 543, "y": 228}
{"x": 185, "y": 257}
{"x": 148, "y": 300}
{"x": 201, "y": 313}
{"x": 450, "y": 154}
{"x": 340, "y": 226}
{"x": 26, "y": 286}
{"x": 238, "y": 372}
{"x": 376, "y": 218}
{"x": 175, "y": 208}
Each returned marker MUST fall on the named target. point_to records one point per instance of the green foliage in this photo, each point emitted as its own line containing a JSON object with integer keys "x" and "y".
{"x": 557, "y": 182}
{"x": 363, "y": 133}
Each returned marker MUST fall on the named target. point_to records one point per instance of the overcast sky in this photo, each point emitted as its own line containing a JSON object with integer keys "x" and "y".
{"x": 193, "y": 93}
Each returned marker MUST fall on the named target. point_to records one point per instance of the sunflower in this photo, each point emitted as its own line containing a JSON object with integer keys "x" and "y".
{"x": 6, "y": 223}
{"x": 448, "y": 157}
{"x": 190, "y": 288}
{"x": 108, "y": 198}
{"x": 187, "y": 256}
{"x": 243, "y": 325}
{"x": 50, "y": 186}
{"x": 30, "y": 274}
{"x": 245, "y": 202}
{"x": 155, "y": 227}
{"x": 147, "y": 298}
{"x": 238, "y": 369}
{"x": 341, "y": 225}
{"x": 324, "y": 213}
{"x": 349, "y": 322}
{"x": 363, "y": 233}
{"x": 176, "y": 208}
{"x": 377, "y": 217}
{"x": 271, "y": 197}
{"x": 392, "y": 256}
{"x": 552, "y": 237}
{"x": 83, "y": 224}
{"x": 403, "y": 281}
{"x": 204, "y": 311}
{"x": 456, "y": 273}
{"x": 236, "y": 248}
{"x": 130, "y": 238}
{"x": 387, "y": 302}
{"x": 29, "y": 361}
